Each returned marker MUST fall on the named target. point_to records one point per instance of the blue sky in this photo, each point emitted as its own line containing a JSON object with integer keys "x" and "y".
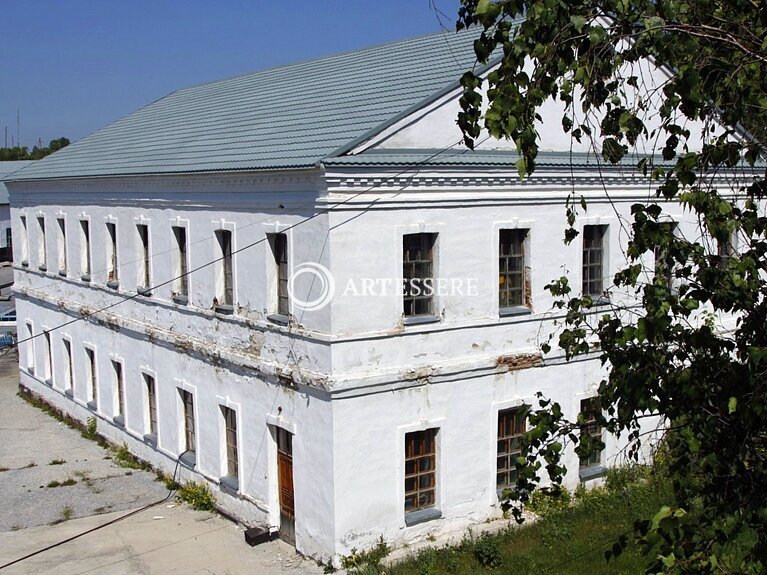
{"x": 73, "y": 66}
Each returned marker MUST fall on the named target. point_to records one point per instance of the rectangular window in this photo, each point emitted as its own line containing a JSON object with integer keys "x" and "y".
{"x": 112, "y": 267}
{"x": 119, "y": 389}
{"x": 70, "y": 382}
{"x": 420, "y": 469}
{"x": 513, "y": 276}
{"x": 230, "y": 423}
{"x": 42, "y": 261}
{"x": 181, "y": 281}
{"x": 144, "y": 275}
{"x": 590, "y": 428}
{"x": 85, "y": 250}
{"x": 225, "y": 295}
{"x": 151, "y": 397}
{"x": 418, "y": 274}
{"x": 48, "y": 368}
{"x": 30, "y": 349}
{"x": 24, "y": 240}
{"x": 593, "y": 260}
{"x": 279, "y": 245}
{"x": 92, "y": 379}
{"x": 511, "y": 427}
{"x": 664, "y": 268}
{"x": 62, "y": 246}
{"x": 190, "y": 439}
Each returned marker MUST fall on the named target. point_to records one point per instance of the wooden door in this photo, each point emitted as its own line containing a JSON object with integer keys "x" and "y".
{"x": 285, "y": 475}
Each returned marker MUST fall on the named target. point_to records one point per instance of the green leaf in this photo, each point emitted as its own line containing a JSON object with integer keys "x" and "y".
{"x": 578, "y": 22}
{"x": 732, "y": 405}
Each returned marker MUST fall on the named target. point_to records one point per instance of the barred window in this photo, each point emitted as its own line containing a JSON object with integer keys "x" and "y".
{"x": 513, "y": 280}
{"x": 420, "y": 469}
{"x": 119, "y": 388}
{"x": 230, "y": 423}
{"x": 511, "y": 427}
{"x": 593, "y": 260}
{"x": 151, "y": 396}
{"x": 418, "y": 274}
{"x": 590, "y": 427}
{"x": 190, "y": 439}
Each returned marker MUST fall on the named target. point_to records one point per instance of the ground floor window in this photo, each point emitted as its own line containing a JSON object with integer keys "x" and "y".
{"x": 187, "y": 401}
{"x": 420, "y": 469}
{"x": 230, "y": 424}
{"x": 591, "y": 432}
{"x": 511, "y": 427}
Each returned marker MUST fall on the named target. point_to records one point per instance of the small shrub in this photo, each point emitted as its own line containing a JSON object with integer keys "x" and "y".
{"x": 65, "y": 483}
{"x": 366, "y": 562}
{"x": 91, "y": 429}
{"x": 66, "y": 513}
{"x": 53, "y": 483}
{"x": 124, "y": 458}
{"x": 549, "y": 501}
{"x": 57, "y": 462}
{"x": 487, "y": 551}
{"x": 170, "y": 483}
{"x": 198, "y": 495}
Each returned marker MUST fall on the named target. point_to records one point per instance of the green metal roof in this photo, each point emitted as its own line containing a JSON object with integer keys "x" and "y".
{"x": 287, "y": 117}
{"x": 7, "y": 168}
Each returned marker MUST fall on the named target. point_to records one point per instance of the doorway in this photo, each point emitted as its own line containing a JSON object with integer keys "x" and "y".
{"x": 285, "y": 478}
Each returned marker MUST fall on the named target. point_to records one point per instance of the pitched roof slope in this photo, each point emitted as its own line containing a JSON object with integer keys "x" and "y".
{"x": 7, "y": 168}
{"x": 286, "y": 117}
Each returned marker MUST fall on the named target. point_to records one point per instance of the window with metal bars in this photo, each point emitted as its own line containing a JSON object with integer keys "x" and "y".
{"x": 418, "y": 274}
{"x": 69, "y": 384}
{"x": 230, "y": 425}
{"x": 112, "y": 273}
{"x": 48, "y": 357}
{"x": 513, "y": 280}
{"x": 190, "y": 438}
{"x": 151, "y": 396}
{"x": 225, "y": 295}
{"x": 94, "y": 388}
{"x": 593, "y": 260}
{"x": 119, "y": 388}
{"x": 420, "y": 469}
{"x": 279, "y": 245}
{"x": 42, "y": 260}
{"x": 181, "y": 281}
{"x": 511, "y": 427}
{"x": 592, "y": 430}
{"x": 144, "y": 276}
{"x": 62, "y": 246}
{"x": 85, "y": 250}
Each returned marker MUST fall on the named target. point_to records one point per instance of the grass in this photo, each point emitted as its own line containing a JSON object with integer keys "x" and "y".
{"x": 198, "y": 495}
{"x": 57, "y": 462}
{"x": 570, "y": 537}
{"x": 65, "y": 483}
{"x": 66, "y": 513}
{"x": 124, "y": 458}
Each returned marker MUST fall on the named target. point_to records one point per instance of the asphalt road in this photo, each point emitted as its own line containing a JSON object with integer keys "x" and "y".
{"x": 37, "y": 452}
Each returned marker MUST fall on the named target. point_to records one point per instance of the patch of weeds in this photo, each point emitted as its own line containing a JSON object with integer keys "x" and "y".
{"x": 30, "y": 464}
{"x": 65, "y": 483}
{"x": 100, "y": 510}
{"x": 366, "y": 562}
{"x": 15, "y": 527}
{"x": 327, "y": 567}
{"x": 124, "y": 458}
{"x": 66, "y": 513}
{"x": 57, "y": 462}
{"x": 168, "y": 481}
{"x": 487, "y": 551}
{"x": 546, "y": 502}
{"x": 3, "y": 469}
{"x": 198, "y": 495}
{"x": 91, "y": 429}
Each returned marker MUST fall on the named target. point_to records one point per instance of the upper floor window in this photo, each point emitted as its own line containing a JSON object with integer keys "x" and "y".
{"x": 93, "y": 392}
{"x": 514, "y": 292}
{"x": 24, "y": 241}
{"x": 62, "y": 246}
{"x": 85, "y": 250}
{"x": 180, "y": 268}
{"x": 594, "y": 260}
{"x": 224, "y": 279}
{"x": 418, "y": 274}
{"x": 70, "y": 374}
{"x": 190, "y": 437}
{"x": 664, "y": 267}
{"x": 279, "y": 245}
{"x": 144, "y": 269}
{"x": 112, "y": 267}
{"x": 42, "y": 260}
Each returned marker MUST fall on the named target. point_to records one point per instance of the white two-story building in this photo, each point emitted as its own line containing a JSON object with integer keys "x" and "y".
{"x": 218, "y": 278}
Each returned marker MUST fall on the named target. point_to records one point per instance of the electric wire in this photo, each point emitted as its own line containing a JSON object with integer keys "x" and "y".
{"x": 172, "y": 488}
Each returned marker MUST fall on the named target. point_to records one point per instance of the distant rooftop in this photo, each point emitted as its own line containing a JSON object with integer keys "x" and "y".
{"x": 287, "y": 117}
{"x": 7, "y": 168}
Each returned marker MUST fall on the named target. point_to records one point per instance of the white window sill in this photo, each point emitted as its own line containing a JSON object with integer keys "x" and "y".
{"x": 421, "y": 319}
{"x": 591, "y": 472}
{"x": 514, "y": 310}
{"x": 422, "y": 516}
